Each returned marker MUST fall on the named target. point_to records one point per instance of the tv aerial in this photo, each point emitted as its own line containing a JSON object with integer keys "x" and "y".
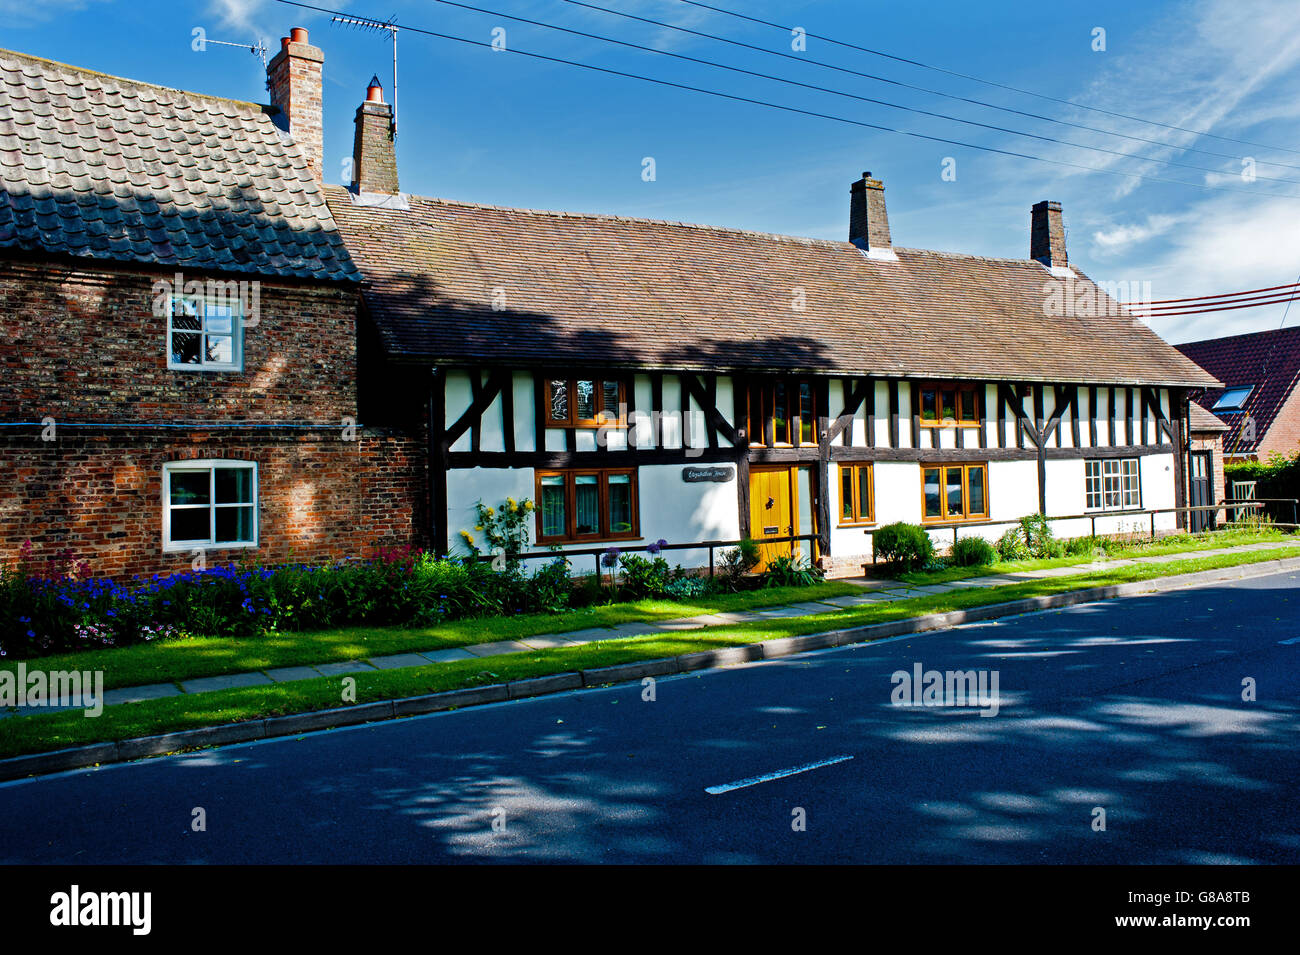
{"x": 378, "y": 26}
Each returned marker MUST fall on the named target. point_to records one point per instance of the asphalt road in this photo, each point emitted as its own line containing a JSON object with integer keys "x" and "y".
{"x": 1132, "y": 706}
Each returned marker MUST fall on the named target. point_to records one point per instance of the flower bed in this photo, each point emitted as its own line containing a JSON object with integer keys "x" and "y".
{"x": 55, "y": 605}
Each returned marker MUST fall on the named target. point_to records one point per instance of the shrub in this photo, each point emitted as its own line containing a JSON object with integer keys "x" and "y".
{"x": 685, "y": 588}
{"x": 973, "y": 552}
{"x": 1012, "y": 546}
{"x": 644, "y": 577}
{"x": 905, "y": 545}
{"x": 787, "y": 571}
{"x": 552, "y": 590}
{"x": 734, "y": 563}
{"x": 504, "y": 530}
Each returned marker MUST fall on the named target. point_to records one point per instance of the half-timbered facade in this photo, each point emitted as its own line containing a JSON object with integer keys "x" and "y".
{"x": 643, "y": 380}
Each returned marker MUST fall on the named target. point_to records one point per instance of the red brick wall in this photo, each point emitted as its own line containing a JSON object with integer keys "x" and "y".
{"x": 1212, "y": 441}
{"x": 320, "y": 497}
{"x": 84, "y": 345}
{"x": 1283, "y": 434}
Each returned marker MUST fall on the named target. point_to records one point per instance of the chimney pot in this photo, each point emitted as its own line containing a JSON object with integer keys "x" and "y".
{"x": 1047, "y": 234}
{"x": 868, "y": 220}
{"x": 375, "y": 91}
{"x": 298, "y": 35}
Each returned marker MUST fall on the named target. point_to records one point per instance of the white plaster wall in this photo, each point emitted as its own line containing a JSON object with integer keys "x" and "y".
{"x": 492, "y": 486}
{"x": 525, "y": 413}
{"x": 727, "y": 406}
{"x": 672, "y": 420}
{"x": 459, "y": 397}
{"x": 669, "y": 509}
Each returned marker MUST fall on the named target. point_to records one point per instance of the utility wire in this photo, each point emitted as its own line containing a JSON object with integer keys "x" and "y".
{"x": 835, "y": 92}
{"x": 910, "y": 86}
{"x": 1253, "y": 291}
{"x": 804, "y": 112}
{"x": 1002, "y": 86}
{"x": 1139, "y": 309}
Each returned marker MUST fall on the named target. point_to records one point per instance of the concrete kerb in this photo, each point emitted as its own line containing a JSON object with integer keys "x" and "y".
{"x": 96, "y": 754}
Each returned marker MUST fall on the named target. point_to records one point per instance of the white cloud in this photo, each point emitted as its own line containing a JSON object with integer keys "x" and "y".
{"x": 238, "y": 14}
{"x": 1121, "y": 238}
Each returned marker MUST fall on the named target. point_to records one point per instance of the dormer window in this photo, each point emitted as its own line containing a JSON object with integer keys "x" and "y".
{"x": 1234, "y": 399}
{"x": 204, "y": 334}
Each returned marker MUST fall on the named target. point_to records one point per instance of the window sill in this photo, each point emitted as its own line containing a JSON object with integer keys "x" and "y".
{"x": 594, "y": 541}
{"x": 855, "y": 525}
{"x": 189, "y": 547}
{"x": 959, "y": 522}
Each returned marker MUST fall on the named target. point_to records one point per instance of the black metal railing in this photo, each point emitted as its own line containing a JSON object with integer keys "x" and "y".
{"x": 599, "y": 552}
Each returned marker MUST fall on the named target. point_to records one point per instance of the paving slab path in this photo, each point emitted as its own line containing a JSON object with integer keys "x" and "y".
{"x": 875, "y": 591}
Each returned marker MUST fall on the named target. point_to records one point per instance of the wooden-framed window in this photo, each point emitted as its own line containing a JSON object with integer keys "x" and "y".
{"x": 948, "y": 405}
{"x": 587, "y": 504}
{"x": 209, "y": 504}
{"x": 203, "y": 334}
{"x": 857, "y": 494}
{"x": 586, "y": 403}
{"x": 782, "y": 411}
{"x": 954, "y": 492}
{"x": 1112, "y": 484}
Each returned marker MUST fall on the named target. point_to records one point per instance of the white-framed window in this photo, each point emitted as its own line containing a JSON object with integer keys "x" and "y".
{"x": 204, "y": 335}
{"x": 1112, "y": 484}
{"x": 209, "y": 504}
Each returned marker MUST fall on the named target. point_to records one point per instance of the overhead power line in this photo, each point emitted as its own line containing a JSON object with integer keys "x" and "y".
{"x": 1200, "y": 298}
{"x": 920, "y": 89}
{"x": 807, "y": 112}
{"x": 993, "y": 83}
{"x": 834, "y": 92}
{"x": 1141, "y": 310}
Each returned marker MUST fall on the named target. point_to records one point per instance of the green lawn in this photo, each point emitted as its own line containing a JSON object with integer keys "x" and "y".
{"x": 193, "y": 657}
{"x": 27, "y": 734}
{"x": 1179, "y": 544}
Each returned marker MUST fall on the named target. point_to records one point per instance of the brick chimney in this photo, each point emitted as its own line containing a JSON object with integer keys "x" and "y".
{"x": 294, "y": 78}
{"x": 1047, "y": 235}
{"x": 374, "y": 158}
{"x": 868, "y": 222}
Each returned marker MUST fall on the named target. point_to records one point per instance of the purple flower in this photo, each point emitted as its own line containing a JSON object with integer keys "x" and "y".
{"x": 654, "y": 549}
{"x": 610, "y": 558}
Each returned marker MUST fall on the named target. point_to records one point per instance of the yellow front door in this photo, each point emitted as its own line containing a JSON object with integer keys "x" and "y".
{"x": 773, "y": 510}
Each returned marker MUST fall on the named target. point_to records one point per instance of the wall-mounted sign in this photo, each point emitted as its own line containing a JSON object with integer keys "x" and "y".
{"x": 700, "y": 475}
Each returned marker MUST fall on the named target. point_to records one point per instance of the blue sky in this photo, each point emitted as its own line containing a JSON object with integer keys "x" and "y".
{"x": 505, "y": 129}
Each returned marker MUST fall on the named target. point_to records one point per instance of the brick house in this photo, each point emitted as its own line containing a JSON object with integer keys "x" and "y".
{"x": 179, "y": 377}
{"x": 1259, "y": 399}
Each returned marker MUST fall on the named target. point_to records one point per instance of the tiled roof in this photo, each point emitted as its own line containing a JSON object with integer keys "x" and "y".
{"x": 107, "y": 168}
{"x": 1269, "y": 361}
{"x": 1200, "y": 420}
{"x": 591, "y": 289}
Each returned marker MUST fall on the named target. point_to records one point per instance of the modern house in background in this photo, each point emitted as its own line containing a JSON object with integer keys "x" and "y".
{"x": 637, "y": 379}
{"x": 1259, "y": 399}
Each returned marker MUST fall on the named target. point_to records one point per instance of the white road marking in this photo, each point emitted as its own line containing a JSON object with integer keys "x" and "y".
{"x": 768, "y": 777}
{"x": 1292, "y": 640}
